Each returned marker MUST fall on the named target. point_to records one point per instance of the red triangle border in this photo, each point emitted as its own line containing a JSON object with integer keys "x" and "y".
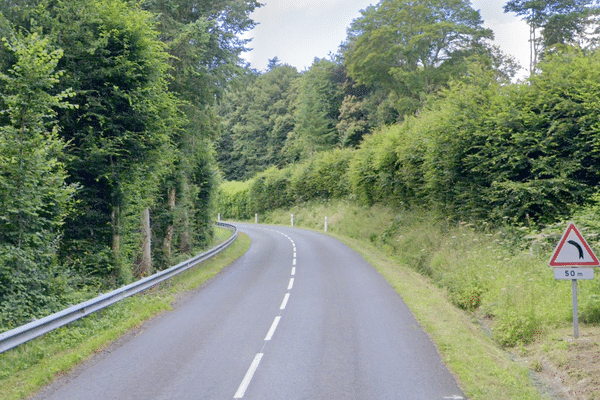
{"x": 554, "y": 263}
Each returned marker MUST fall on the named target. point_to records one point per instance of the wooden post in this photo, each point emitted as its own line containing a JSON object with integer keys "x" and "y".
{"x": 116, "y": 238}
{"x": 185, "y": 239}
{"x": 169, "y": 235}
{"x": 146, "y": 266}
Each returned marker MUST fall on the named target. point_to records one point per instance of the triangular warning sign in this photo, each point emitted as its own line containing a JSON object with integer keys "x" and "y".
{"x": 573, "y": 250}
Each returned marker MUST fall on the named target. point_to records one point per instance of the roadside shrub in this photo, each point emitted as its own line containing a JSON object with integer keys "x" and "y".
{"x": 512, "y": 329}
{"x": 590, "y": 310}
{"x": 233, "y": 200}
{"x": 387, "y": 168}
{"x": 321, "y": 177}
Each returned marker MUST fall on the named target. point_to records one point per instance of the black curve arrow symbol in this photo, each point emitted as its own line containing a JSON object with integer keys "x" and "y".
{"x": 574, "y": 243}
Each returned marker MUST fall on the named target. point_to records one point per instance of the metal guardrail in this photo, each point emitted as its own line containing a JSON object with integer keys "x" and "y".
{"x": 34, "y": 329}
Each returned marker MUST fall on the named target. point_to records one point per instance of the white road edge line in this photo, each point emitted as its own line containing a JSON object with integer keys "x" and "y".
{"x": 291, "y": 284}
{"x": 246, "y": 381}
{"x": 273, "y": 327}
{"x": 284, "y": 302}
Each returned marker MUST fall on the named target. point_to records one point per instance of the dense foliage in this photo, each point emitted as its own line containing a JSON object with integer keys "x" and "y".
{"x": 109, "y": 111}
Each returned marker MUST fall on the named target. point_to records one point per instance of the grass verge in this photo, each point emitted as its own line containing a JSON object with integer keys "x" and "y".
{"x": 29, "y": 367}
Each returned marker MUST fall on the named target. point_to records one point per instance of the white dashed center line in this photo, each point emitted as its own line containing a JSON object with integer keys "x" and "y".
{"x": 284, "y": 302}
{"x": 246, "y": 381}
{"x": 254, "y": 366}
{"x": 273, "y": 327}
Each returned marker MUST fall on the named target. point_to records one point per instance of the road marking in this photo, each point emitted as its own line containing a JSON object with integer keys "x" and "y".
{"x": 246, "y": 381}
{"x": 293, "y": 270}
{"x": 273, "y": 327}
{"x": 294, "y": 261}
{"x": 291, "y": 284}
{"x": 284, "y": 302}
{"x": 294, "y": 254}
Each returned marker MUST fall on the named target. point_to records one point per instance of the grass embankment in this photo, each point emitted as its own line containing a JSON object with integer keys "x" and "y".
{"x": 27, "y": 368}
{"x": 488, "y": 299}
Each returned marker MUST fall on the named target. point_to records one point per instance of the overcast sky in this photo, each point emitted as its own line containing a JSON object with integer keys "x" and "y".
{"x": 297, "y": 31}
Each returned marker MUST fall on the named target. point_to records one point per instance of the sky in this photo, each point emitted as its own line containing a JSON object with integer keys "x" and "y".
{"x": 297, "y": 31}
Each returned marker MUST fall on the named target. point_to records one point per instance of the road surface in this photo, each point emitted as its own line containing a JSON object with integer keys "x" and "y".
{"x": 299, "y": 316}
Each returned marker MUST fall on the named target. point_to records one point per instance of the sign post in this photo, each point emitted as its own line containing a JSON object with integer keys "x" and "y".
{"x": 571, "y": 256}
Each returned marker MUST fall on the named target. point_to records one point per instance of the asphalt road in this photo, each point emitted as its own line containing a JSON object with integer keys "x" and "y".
{"x": 299, "y": 316}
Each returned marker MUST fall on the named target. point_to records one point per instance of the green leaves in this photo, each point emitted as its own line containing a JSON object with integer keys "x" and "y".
{"x": 412, "y": 49}
{"x": 34, "y": 196}
{"x": 258, "y": 120}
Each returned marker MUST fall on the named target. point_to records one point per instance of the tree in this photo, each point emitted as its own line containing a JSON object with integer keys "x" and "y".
{"x": 120, "y": 134}
{"x": 258, "y": 119}
{"x": 560, "y": 22}
{"x": 273, "y": 63}
{"x": 203, "y": 39}
{"x": 34, "y": 196}
{"x": 412, "y": 48}
{"x": 316, "y": 110}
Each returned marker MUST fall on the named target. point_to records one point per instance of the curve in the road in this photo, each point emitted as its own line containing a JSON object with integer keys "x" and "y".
{"x": 312, "y": 322}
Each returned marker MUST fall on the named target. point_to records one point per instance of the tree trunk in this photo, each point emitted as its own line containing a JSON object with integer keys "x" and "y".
{"x": 146, "y": 265}
{"x": 169, "y": 235}
{"x": 116, "y": 238}
{"x": 185, "y": 237}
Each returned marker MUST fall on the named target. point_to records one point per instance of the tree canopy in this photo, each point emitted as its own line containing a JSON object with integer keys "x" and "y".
{"x": 413, "y": 48}
{"x": 561, "y": 22}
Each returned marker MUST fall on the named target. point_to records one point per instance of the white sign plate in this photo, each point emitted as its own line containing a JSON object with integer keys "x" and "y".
{"x": 574, "y": 273}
